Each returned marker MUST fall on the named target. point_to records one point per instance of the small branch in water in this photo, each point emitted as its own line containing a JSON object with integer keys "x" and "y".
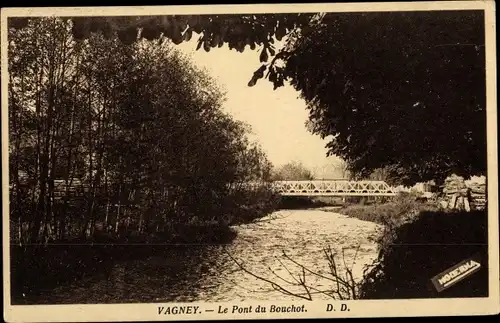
{"x": 345, "y": 287}
{"x": 351, "y": 284}
{"x": 275, "y": 286}
{"x": 307, "y": 269}
{"x": 278, "y": 276}
{"x": 300, "y": 281}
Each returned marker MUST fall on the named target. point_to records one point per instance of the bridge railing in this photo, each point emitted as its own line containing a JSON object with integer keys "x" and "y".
{"x": 284, "y": 188}
{"x": 334, "y": 188}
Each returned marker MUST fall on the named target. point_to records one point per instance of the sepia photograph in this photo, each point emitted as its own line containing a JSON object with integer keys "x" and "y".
{"x": 249, "y": 161}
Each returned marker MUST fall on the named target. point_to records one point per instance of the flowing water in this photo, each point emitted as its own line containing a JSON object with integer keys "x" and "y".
{"x": 275, "y": 248}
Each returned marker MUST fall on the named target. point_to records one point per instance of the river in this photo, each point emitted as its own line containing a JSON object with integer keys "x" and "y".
{"x": 210, "y": 273}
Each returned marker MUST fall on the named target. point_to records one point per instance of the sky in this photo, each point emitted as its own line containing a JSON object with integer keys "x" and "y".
{"x": 277, "y": 117}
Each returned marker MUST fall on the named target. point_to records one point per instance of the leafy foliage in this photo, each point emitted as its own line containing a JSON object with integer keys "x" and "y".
{"x": 404, "y": 91}
{"x": 253, "y": 31}
{"x": 135, "y": 131}
{"x": 293, "y": 171}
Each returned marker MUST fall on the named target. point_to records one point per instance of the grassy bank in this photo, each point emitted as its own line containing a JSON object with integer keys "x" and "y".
{"x": 419, "y": 242}
{"x": 391, "y": 213}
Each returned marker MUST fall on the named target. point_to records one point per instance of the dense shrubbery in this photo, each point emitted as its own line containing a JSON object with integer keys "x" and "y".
{"x": 417, "y": 243}
{"x": 255, "y": 203}
{"x": 420, "y": 249}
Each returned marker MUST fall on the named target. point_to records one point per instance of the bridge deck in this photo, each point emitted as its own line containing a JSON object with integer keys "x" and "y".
{"x": 334, "y": 188}
{"x": 284, "y": 188}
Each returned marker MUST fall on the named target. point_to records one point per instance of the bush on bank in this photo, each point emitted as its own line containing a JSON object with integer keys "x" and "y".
{"x": 419, "y": 242}
{"x": 418, "y": 250}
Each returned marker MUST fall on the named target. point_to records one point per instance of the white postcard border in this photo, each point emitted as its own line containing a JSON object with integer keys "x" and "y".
{"x": 316, "y": 309}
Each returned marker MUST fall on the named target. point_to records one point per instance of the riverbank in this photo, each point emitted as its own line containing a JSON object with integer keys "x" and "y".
{"x": 414, "y": 252}
{"x": 419, "y": 242}
{"x": 206, "y": 272}
{"x": 36, "y": 269}
{"x": 400, "y": 260}
{"x": 391, "y": 213}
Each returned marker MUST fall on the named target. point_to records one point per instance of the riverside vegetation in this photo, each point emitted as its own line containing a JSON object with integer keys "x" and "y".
{"x": 419, "y": 241}
{"x": 115, "y": 145}
{"x": 84, "y": 112}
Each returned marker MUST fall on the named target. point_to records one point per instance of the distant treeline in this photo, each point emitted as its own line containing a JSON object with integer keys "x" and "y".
{"x": 120, "y": 139}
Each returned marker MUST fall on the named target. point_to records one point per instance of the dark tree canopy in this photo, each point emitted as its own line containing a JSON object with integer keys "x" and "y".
{"x": 404, "y": 91}
{"x": 237, "y": 31}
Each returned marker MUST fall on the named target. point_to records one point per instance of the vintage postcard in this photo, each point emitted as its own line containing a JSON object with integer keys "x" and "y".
{"x": 224, "y": 162}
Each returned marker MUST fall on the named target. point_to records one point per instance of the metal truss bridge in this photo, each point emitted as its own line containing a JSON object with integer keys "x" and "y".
{"x": 336, "y": 187}
{"x": 333, "y": 188}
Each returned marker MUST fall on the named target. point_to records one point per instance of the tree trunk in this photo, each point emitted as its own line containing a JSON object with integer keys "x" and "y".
{"x": 117, "y": 222}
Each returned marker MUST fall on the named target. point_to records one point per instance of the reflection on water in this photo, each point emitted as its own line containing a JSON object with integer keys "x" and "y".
{"x": 207, "y": 273}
